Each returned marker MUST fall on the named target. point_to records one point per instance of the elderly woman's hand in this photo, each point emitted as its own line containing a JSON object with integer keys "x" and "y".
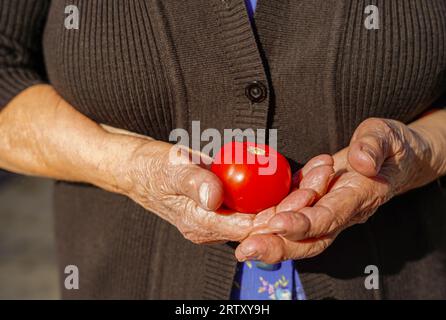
{"x": 385, "y": 158}
{"x": 164, "y": 179}
{"x": 43, "y": 135}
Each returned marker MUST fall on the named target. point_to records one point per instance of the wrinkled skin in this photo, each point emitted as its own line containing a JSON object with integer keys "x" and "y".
{"x": 188, "y": 195}
{"x": 118, "y": 161}
{"x": 184, "y": 194}
{"x": 384, "y": 158}
{"x": 330, "y": 192}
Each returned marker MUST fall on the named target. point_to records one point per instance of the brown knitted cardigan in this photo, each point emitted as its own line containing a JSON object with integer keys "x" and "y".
{"x": 153, "y": 65}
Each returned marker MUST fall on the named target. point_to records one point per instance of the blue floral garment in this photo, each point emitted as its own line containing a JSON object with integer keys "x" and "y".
{"x": 255, "y": 280}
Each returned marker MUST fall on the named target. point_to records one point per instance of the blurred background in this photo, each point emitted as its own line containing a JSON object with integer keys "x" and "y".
{"x": 27, "y": 252}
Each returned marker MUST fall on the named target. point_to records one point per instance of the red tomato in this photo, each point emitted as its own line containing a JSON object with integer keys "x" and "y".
{"x": 254, "y": 176}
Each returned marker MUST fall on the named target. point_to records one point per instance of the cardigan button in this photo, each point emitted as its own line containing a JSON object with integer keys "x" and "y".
{"x": 256, "y": 92}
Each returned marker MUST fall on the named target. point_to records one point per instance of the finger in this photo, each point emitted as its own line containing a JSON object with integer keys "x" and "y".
{"x": 262, "y": 218}
{"x": 274, "y": 249}
{"x": 267, "y": 248}
{"x": 202, "y": 226}
{"x": 329, "y": 216}
{"x": 318, "y": 179}
{"x": 229, "y": 227}
{"x": 333, "y": 212}
{"x": 290, "y": 225}
{"x": 340, "y": 160}
{"x": 320, "y": 160}
{"x": 297, "y": 200}
{"x": 188, "y": 175}
{"x": 198, "y": 184}
{"x": 371, "y": 144}
{"x": 288, "y": 222}
{"x": 313, "y": 186}
{"x": 330, "y": 213}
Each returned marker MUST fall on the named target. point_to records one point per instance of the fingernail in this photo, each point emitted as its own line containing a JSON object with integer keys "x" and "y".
{"x": 370, "y": 153}
{"x": 204, "y": 194}
{"x": 268, "y": 230}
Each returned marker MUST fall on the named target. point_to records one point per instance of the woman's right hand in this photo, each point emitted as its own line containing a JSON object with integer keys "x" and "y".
{"x": 183, "y": 193}
{"x": 43, "y": 135}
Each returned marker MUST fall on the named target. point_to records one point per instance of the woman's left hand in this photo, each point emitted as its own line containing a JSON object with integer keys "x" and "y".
{"x": 384, "y": 158}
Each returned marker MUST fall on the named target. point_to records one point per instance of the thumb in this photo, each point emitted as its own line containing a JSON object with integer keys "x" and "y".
{"x": 370, "y": 146}
{"x": 195, "y": 182}
{"x": 200, "y": 185}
